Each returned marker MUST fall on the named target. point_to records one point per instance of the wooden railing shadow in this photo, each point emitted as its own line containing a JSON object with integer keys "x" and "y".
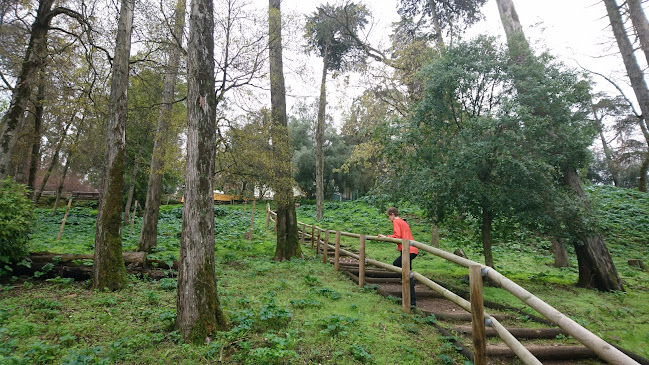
{"x": 600, "y": 347}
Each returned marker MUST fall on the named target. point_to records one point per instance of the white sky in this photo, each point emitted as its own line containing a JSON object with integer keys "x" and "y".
{"x": 576, "y": 31}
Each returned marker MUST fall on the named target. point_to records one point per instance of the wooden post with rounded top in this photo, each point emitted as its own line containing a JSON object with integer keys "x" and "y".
{"x": 267, "y": 215}
{"x": 317, "y": 244}
{"x": 303, "y": 232}
{"x": 477, "y": 314}
{"x": 312, "y": 236}
{"x": 405, "y": 275}
{"x": 337, "y": 252}
{"x": 325, "y": 247}
{"x": 361, "y": 262}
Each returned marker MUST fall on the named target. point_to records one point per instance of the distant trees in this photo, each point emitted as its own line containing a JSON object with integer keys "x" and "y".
{"x": 33, "y": 62}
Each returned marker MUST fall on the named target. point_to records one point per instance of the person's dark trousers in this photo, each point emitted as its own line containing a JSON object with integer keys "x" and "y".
{"x": 397, "y": 263}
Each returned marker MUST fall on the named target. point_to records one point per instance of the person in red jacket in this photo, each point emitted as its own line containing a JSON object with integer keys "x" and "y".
{"x": 401, "y": 229}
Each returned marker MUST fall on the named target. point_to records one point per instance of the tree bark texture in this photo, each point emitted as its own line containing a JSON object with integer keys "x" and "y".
{"x": 487, "y": 220}
{"x": 109, "y": 271}
{"x": 287, "y": 230}
{"x": 561, "y": 258}
{"x": 149, "y": 232}
{"x": 199, "y": 313}
{"x": 319, "y": 140}
{"x": 14, "y": 119}
{"x": 596, "y": 268}
{"x": 131, "y": 185}
{"x": 35, "y": 158}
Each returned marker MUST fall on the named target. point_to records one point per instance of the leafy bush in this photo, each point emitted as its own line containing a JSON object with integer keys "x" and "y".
{"x": 16, "y": 215}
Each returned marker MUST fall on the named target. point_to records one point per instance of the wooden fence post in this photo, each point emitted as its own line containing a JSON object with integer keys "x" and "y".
{"x": 312, "y": 236}
{"x": 252, "y": 219}
{"x": 405, "y": 275}
{"x": 325, "y": 247}
{"x": 267, "y": 215}
{"x": 133, "y": 217}
{"x": 303, "y": 232}
{"x": 361, "y": 262}
{"x": 317, "y": 245}
{"x": 65, "y": 217}
{"x": 337, "y": 252}
{"x": 477, "y": 314}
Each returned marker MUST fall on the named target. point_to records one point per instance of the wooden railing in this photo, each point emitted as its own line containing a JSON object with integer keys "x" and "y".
{"x": 600, "y": 347}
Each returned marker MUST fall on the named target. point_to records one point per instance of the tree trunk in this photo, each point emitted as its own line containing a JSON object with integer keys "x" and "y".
{"x": 53, "y": 162}
{"x": 608, "y": 154}
{"x": 66, "y": 167}
{"x": 59, "y": 189}
{"x": 641, "y": 25}
{"x": 286, "y": 221}
{"x": 561, "y": 258}
{"x": 199, "y": 313}
{"x": 596, "y": 268}
{"x": 108, "y": 270}
{"x": 35, "y": 158}
{"x": 13, "y": 120}
{"x": 487, "y": 220}
{"x": 319, "y": 140}
{"x": 149, "y": 232}
{"x": 131, "y": 187}
{"x": 436, "y": 25}
{"x": 642, "y": 181}
{"x": 636, "y": 76}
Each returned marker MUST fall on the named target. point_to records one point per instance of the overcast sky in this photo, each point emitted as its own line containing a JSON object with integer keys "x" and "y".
{"x": 576, "y": 31}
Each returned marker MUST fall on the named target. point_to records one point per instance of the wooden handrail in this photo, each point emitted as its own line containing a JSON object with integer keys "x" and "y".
{"x": 600, "y": 347}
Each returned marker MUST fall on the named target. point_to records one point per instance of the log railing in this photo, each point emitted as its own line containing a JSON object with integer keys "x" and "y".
{"x": 600, "y": 347}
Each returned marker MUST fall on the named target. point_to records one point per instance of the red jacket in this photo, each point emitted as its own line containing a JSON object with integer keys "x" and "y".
{"x": 401, "y": 229}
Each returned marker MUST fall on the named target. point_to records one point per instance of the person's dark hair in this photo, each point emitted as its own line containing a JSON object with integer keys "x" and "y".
{"x": 393, "y": 210}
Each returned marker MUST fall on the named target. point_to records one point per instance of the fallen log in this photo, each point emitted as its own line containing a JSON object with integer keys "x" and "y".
{"x": 129, "y": 257}
{"x": 41, "y": 270}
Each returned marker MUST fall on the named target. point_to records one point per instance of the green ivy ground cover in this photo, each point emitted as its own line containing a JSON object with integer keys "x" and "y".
{"x": 300, "y": 311}
{"x": 290, "y": 312}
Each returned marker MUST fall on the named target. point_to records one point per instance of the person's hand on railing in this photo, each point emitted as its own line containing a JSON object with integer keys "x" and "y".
{"x": 381, "y": 235}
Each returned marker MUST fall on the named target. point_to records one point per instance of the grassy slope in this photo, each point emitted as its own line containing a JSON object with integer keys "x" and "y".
{"x": 330, "y": 319}
{"x": 297, "y": 311}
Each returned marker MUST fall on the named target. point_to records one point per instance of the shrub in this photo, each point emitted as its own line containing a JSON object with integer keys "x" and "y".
{"x": 16, "y": 215}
